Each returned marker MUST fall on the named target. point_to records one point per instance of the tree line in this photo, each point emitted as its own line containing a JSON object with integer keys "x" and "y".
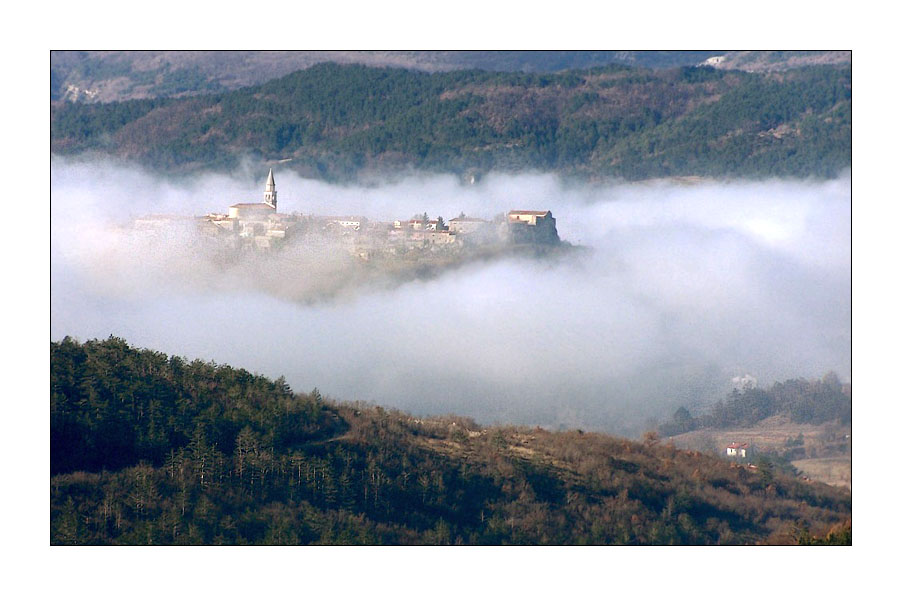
{"x": 804, "y": 401}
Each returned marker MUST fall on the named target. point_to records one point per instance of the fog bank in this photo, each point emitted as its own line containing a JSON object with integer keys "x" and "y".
{"x": 686, "y": 287}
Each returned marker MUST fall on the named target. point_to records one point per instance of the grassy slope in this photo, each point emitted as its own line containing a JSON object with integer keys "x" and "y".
{"x": 824, "y": 454}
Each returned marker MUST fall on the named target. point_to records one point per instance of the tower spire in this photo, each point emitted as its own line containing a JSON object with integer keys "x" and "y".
{"x": 269, "y": 193}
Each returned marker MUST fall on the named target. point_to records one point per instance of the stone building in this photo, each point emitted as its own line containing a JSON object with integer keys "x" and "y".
{"x": 467, "y": 225}
{"x": 258, "y": 211}
{"x": 531, "y": 227}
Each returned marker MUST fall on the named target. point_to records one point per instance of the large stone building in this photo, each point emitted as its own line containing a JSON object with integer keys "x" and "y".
{"x": 467, "y": 225}
{"x": 257, "y": 211}
{"x": 531, "y": 227}
{"x": 256, "y": 225}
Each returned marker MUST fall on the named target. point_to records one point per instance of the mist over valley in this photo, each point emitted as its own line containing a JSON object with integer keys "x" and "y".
{"x": 680, "y": 288}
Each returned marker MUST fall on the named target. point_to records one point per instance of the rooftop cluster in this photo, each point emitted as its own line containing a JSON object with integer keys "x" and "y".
{"x": 260, "y": 226}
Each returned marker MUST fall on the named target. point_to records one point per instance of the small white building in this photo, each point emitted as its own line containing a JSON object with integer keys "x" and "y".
{"x": 347, "y": 222}
{"x": 740, "y": 450}
{"x": 416, "y": 224}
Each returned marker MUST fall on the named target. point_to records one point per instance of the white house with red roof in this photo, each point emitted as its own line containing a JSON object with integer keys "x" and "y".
{"x": 740, "y": 450}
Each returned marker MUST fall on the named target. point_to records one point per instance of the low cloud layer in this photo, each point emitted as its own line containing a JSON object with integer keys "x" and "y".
{"x": 685, "y": 287}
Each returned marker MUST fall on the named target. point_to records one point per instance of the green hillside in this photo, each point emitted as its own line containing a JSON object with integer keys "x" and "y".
{"x": 339, "y": 122}
{"x": 152, "y": 449}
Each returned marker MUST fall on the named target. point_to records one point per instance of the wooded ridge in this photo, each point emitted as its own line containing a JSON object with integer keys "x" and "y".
{"x": 341, "y": 122}
{"x": 152, "y": 449}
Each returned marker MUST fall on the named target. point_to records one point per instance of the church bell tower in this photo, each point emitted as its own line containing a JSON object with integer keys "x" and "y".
{"x": 269, "y": 194}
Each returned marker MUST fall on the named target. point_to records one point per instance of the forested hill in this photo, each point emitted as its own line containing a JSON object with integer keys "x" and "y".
{"x": 800, "y": 400}
{"x": 340, "y": 122}
{"x": 152, "y": 449}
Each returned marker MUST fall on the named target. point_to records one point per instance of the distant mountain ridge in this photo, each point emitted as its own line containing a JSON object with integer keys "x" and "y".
{"x": 777, "y": 61}
{"x": 105, "y": 76}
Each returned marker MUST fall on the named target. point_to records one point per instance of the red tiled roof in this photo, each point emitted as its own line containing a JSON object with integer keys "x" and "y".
{"x": 525, "y": 212}
{"x": 738, "y": 446}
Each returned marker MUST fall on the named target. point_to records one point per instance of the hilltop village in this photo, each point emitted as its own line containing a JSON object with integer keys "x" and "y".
{"x": 261, "y": 227}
